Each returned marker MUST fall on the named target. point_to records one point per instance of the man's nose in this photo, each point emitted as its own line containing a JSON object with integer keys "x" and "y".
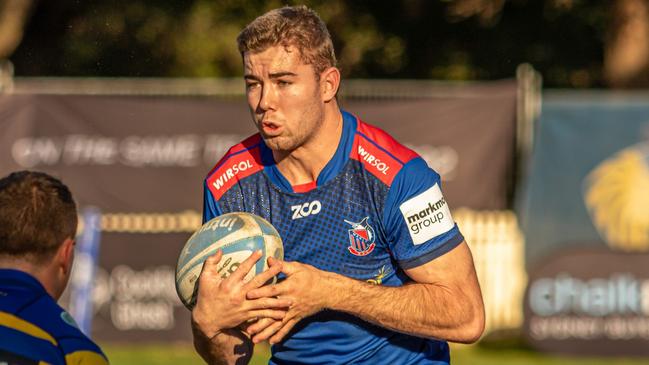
{"x": 268, "y": 98}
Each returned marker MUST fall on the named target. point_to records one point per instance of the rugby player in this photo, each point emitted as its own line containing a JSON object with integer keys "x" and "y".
{"x": 38, "y": 223}
{"x": 376, "y": 271}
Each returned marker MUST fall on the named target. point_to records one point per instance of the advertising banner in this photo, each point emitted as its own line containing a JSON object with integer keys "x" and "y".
{"x": 141, "y": 161}
{"x": 586, "y": 224}
{"x": 589, "y": 177}
{"x": 589, "y": 302}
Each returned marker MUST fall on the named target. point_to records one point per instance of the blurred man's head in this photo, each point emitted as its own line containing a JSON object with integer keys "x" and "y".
{"x": 38, "y": 222}
{"x": 299, "y": 27}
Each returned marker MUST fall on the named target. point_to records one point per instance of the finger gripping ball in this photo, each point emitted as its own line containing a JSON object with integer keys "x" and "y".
{"x": 238, "y": 235}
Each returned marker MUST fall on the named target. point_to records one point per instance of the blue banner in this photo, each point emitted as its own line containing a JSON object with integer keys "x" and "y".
{"x": 83, "y": 274}
{"x": 588, "y": 182}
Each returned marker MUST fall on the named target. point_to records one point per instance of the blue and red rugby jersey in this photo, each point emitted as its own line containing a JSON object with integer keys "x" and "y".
{"x": 375, "y": 210}
{"x": 36, "y": 330}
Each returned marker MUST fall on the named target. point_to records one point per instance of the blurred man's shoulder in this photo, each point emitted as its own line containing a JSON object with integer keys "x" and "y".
{"x": 30, "y": 317}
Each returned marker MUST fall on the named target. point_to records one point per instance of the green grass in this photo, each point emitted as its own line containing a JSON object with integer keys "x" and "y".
{"x": 174, "y": 354}
{"x": 481, "y": 355}
{"x": 513, "y": 354}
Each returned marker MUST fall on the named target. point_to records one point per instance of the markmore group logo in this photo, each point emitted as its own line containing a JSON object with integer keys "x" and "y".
{"x": 616, "y": 193}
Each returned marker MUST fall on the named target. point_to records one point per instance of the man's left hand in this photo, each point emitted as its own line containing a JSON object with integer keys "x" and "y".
{"x": 307, "y": 287}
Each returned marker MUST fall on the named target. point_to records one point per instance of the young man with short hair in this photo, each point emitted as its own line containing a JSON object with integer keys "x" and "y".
{"x": 376, "y": 270}
{"x": 38, "y": 224}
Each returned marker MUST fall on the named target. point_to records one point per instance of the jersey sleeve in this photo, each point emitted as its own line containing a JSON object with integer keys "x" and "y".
{"x": 82, "y": 351}
{"x": 210, "y": 205}
{"x": 417, "y": 218}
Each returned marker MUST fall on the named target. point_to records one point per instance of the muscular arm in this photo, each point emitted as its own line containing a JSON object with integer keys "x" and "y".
{"x": 227, "y": 347}
{"x": 444, "y": 302}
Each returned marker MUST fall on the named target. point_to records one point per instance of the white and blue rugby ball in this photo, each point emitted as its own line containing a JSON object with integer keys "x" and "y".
{"x": 238, "y": 235}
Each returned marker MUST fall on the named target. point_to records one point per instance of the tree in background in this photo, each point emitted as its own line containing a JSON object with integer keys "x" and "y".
{"x": 574, "y": 43}
{"x": 13, "y": 16}
{"x": 625, "y": 42}
{"x": 626, "y": 50}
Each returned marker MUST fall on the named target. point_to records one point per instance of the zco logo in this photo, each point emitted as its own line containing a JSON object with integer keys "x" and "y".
{"x": 306, "y": 209}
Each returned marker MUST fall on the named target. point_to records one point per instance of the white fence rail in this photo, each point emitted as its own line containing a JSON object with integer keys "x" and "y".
{"x": 498, "y": 251}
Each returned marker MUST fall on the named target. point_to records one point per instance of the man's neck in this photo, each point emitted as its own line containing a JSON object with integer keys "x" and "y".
{"x": 304, "y": 164}
{"x": 41, "y": 273}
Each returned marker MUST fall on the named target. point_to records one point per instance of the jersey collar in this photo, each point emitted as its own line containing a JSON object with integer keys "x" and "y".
{"x": 21, "y": 278}
{"x": 331, "y": 169}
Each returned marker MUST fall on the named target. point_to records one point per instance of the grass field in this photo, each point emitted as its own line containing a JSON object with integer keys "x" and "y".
{"x": 461, "y": 355}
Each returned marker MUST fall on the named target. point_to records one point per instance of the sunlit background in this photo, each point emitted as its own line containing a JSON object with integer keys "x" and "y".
{"x": 535, "y": 113}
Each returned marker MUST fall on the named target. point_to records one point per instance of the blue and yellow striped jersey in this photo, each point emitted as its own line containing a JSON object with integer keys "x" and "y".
{"x": 34, "y": 329}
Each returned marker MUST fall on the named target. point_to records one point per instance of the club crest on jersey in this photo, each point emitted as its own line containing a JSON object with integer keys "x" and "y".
{"x": 361, "y": 238}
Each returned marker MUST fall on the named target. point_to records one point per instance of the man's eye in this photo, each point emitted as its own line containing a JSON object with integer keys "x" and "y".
{"x": 283, "y": 83}
{"x": 251, "y": 85}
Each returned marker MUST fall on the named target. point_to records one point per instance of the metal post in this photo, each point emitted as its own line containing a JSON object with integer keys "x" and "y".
{"x": 6, "y": 76}
{"x": 83, "y": 273}
{"x": 528, "y": 109}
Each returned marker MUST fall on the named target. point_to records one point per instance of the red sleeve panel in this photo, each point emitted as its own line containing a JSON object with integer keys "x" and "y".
{"x": 379, "y": 153}
{"x": 241, "y": 161}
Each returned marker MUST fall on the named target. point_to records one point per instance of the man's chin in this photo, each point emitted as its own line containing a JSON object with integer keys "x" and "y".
{"x": 278, "y": 144}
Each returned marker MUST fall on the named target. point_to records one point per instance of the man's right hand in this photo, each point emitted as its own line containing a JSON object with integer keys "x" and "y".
{"x": 221, "y": 303}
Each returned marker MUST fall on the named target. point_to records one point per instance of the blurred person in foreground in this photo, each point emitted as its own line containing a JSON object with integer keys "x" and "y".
{"x": 376, "y": 271}
{"x": 38, "y": 223}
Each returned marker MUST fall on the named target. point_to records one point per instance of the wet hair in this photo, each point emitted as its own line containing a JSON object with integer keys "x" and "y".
{"x": 296, "y": 26}
{"x": 37, "y": 213}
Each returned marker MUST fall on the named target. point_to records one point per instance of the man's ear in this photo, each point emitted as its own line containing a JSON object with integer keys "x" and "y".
{"x": 329, "y": 82}
{"x": 65, "y": 254}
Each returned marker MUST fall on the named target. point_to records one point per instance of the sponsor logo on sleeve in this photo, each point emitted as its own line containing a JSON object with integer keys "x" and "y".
{"x": 371, "y": 160}
{"x": 427, "y": 215}
{"x": 230, "y": 172}
{"x": 235, "y": 168}
{"x": 378, "y": 162}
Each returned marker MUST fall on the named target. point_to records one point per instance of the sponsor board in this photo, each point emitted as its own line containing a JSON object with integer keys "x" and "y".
{"x": 589, "y": 178}
{"x": 589, "y": 302}
{"x": 137, "y": 158}
{"x": 182, "y": 150}
{"x": 133, "y": 296}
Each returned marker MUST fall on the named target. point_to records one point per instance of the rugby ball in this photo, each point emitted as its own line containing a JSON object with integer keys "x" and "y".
{"x": 238, "y": 235}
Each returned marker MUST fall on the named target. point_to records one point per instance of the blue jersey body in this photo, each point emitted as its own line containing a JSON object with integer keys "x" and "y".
{"x": 375, "y": 210}
{"x": 36, "y": 330}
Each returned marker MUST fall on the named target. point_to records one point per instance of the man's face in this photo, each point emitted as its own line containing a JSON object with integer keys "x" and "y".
{"x": 284, "y": 97}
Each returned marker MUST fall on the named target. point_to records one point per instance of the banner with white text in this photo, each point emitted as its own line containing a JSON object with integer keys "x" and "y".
{"x": 141, "y": 162}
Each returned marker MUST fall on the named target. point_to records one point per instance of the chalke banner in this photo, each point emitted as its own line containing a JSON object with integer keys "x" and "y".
{"x": 586, "y": 226}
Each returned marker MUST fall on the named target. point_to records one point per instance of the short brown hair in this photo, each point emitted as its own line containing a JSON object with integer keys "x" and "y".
{"x": 37, "y": 213}
{"x": 296, "y": 26}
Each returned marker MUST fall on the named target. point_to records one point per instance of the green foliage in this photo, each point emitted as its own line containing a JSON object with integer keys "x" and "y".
{"x": 388, "y": 39}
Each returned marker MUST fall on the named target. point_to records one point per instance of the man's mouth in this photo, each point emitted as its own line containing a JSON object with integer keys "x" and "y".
{"x": 270, "y": 129}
